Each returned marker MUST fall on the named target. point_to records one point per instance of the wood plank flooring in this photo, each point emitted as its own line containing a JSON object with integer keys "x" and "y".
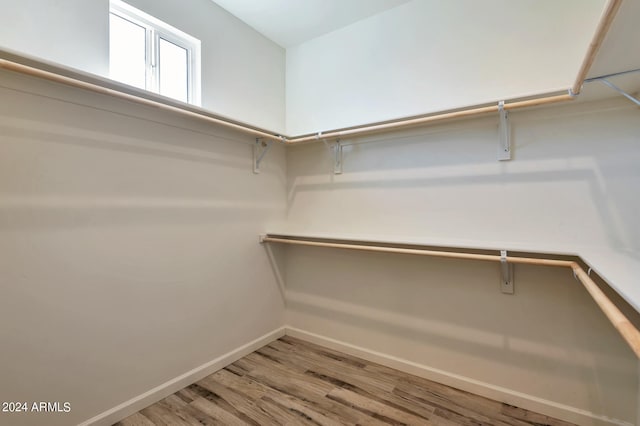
{"x": 292, "y": 382}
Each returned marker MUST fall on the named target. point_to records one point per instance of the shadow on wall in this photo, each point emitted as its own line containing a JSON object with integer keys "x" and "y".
{"x": 71, "y": 166}
{"x": 123, "y": 133}
{"x": 574, "y": 165}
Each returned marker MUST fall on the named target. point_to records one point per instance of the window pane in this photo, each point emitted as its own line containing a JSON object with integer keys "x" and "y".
{"x": 174, "y": 80}
{"x": 127, "y": 51}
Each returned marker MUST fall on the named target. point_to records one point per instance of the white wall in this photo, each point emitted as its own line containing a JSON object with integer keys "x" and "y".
{"x": 70, "y": 32}
{"x": 128, "y": 247}
{"x": 432, "y": 55}
{"x": 242, "y": 71}
{"x": 568, "y": 187}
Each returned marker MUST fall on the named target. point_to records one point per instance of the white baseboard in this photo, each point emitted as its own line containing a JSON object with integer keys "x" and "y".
{"x": 508, "y": 396}
{"x": 139, "y": 402}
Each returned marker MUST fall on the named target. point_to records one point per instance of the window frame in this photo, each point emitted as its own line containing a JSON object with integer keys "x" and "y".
{"x": 155, "y": 29}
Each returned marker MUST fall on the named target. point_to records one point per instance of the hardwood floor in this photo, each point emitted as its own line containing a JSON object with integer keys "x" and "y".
{"x": 293, "y": 382}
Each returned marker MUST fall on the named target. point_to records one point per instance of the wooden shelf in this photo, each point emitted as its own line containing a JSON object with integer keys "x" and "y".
{"x": 606, "y": 264}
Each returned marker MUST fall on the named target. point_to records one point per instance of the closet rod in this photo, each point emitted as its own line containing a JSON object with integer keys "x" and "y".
{"x": 36, "y": 72}
{"x": 609, "y": 14}
{"x": 629, "y": 333}
{"x": 334, "y": 134}
{"x": 337, "y": 134}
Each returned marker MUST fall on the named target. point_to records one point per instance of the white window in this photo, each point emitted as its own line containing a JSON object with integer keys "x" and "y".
{"x": 147, "y": 53}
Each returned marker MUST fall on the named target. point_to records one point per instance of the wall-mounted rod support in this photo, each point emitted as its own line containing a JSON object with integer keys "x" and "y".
{"x": 260, "y": 149}
{"x": 504, "y": 134}
{"x": 337, "y": 157}
{"x": 621, "y": 323}
{"x": 335, "y": 151}
{"x": 506, "y": 274}
{"x": 619, "y": 90}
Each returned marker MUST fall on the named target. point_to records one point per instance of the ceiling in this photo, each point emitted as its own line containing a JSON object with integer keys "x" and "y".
{"x": 291, "y": 22}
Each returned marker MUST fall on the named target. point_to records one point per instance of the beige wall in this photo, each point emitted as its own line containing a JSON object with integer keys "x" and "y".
{"x": 128, "y": 247}
{"x": 70, "y": 32}
{"x": 569, "y": 187}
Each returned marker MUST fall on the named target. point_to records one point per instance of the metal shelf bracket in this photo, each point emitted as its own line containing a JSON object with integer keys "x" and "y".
{"x": 504, "y": 134}
{"x": 619, "y": 90}
{"x": 506, "y": 274}
{"x": 260, "y": 149}
{"x": 337, "y": 158}
{"x": 336, "y": 152}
